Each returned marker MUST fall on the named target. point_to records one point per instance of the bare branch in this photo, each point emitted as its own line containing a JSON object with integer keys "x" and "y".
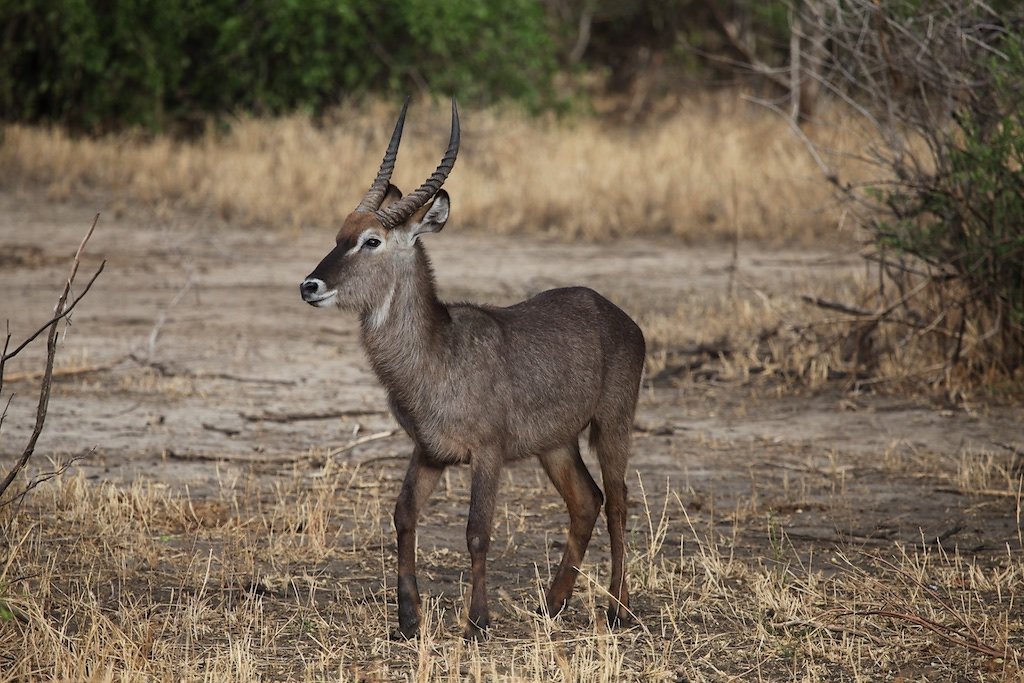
{"x": 836, "y": 306}
{"x": 61, "y": 311}
{"x": 154, "y": 333}
{"x": 777, "y": 76}
{"x": 830, "y": 174}
{"x": 63, "y": 314}
{"x": 582, "y": 32}
{"x": 47, "y": 476}
{"x": 943, "y": 631}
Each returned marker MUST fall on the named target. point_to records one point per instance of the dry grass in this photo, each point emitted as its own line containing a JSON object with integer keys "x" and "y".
{"x": 293, "y": 581}
{"x": 763, "y": 330}
{"x": 716, "y": 168}
{"x": 776, "y": 333}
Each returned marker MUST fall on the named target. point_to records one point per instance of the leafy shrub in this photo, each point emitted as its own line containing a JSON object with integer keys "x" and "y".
{"x": 96, "y": 65}
{"x": 966, "y": 217}
{"x": 940, "y": 87}
{"x": 72, "y": 61}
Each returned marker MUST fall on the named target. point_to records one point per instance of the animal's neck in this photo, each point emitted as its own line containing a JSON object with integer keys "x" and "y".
{"x": 404, "y": 333}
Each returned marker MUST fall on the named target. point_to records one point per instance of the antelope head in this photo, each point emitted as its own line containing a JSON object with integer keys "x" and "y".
{"x": 379, "y": 236}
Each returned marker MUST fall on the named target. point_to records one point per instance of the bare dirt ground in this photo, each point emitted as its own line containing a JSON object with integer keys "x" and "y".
{"x": 193, "y": 362}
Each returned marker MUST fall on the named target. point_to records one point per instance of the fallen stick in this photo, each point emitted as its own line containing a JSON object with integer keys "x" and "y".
{"x": 360, "y": 441}
{"x": 299, "y": 417}
{"x": 63, "y": 372}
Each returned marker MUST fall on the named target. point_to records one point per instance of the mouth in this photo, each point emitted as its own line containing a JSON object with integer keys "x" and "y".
{"x": 322, "y": 300}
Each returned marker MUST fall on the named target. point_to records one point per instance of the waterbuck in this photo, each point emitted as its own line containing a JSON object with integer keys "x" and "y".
{"x": 485, "y": 385}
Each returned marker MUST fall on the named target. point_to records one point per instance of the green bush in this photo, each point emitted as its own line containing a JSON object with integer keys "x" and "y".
{"x": 96, "y": 65}
{"x": 85, "y": 64}
{"x": 965, "y": 216}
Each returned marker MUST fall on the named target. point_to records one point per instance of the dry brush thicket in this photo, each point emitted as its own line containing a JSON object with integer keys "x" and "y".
{"x": 936, "y": 91}
{"x": 715, "y": 168}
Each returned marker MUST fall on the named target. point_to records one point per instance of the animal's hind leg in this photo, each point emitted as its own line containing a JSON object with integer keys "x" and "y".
{"x": 583, "y": 499}
{"x": 612, "y": 445}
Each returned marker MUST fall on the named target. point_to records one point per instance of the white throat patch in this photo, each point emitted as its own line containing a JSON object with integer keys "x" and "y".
{"x": 379, "y": 315}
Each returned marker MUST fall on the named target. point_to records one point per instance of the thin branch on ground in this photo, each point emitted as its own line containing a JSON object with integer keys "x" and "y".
{"x": 947, "y": 633}
{"x": 301, "y": 417}
{"x": 146, "y": 357}
{"x": 963, "y": 635}
{"x": 65, "y": 372}
{"x": 360, "y": 441}
{"x": 836, "y": 306}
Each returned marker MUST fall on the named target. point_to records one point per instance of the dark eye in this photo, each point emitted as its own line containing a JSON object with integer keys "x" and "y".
{"x": 371, "y": 243}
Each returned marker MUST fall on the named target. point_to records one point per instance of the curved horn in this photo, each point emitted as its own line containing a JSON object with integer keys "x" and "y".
{"x": 375, "y": 195}
{"x": 399, "y": 212}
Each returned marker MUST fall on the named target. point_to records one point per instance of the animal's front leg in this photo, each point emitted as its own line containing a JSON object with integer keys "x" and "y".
{"x": 420, "y": 480}
{"x": 486, "y": 469}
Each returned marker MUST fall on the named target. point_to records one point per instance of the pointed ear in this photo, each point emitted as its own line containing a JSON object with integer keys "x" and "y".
{"x": 432, "y": 217}
{"x": 390, "y": 197}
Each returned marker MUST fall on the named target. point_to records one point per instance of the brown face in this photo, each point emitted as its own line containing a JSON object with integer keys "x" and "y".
{"x": 361, "y": 269}
{"x": 354, "y": 271}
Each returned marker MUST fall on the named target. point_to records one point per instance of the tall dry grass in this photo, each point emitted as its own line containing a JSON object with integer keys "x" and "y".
{"x": 716, "y": 167}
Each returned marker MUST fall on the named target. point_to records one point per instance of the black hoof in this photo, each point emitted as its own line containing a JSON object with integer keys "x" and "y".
{"x": 619, "y": 618}
{"x": 545, "y": 610}
{"x": 409, "y": 632}
{"x": 476, "y": 632}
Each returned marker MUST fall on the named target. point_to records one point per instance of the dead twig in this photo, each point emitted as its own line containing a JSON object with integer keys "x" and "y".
{"x": 946, "y": 607}
{"x": 301, "y": 417}
{"x": 47, "y": 476}
{"x": 227, "y": 431}
{"x": 835, "y": 628}
{"x": 154, "y": 333}
{"x": 360, "y": 441}
{"x": 195, "y": 456}
{"x": 64, "y": 372}
{"x": 995, "y": 493}
{"x": 227, "y": 376}
{"x": 282, "y": 459}
{"x": 836, "y": 306}
{"x": 166, "y": 370}
{"x": 62, "y": 310}
{"x": 945, "y": 632}
{"x": 830, "y": 174}
{"x": 963, "y": 634}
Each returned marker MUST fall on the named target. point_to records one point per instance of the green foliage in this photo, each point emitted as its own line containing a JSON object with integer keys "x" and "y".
{"x": 498, "y": 47}
{"x": 967, "y": 217}
{"x": 97, "y": 65}
{"x": 67, "y": 60}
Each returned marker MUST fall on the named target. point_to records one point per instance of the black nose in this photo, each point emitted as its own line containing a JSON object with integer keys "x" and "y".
{"x": 309, "y": 287}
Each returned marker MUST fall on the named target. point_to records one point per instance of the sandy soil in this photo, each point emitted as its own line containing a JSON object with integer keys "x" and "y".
{"x": 242, "y": 376}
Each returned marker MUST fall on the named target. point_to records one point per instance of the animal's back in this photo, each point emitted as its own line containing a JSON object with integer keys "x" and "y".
{"x": 579, "y": 316}
{"x": 542, "y": 395}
